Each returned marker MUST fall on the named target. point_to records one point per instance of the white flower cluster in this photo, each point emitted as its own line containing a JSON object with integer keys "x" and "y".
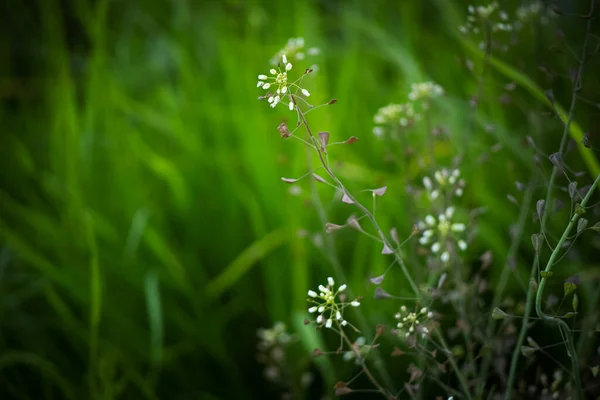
{"x": 533, "y": 11}
{"x": 424, "y": 91}
{"x": 279, "y": 80}
{"x": 442, "y": 234}
{"x": 393, "y": 115}
{"x": 405, "y": 115}
{"x": 486, "y": 14}
{"x": 330, "y": 304}
{"x": 413, "y": 323}
{"x": 272, "y": 350}
{"x": 294, "y": 49}
{"x": 277, "y": 335}
{"x": 444, "y": 183}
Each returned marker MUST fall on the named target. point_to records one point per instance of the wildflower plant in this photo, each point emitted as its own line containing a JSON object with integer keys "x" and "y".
{"x": 442, "y": 234}
{"x": 414, "y": 324}
{"x": 329, "y": 303}
{"x": 444, "y": 184}
{"x": 457, "y": 338}
{"x": 278, "y": 81}
{"x": 295, "y": 50}
{"x": 394, "y": 116}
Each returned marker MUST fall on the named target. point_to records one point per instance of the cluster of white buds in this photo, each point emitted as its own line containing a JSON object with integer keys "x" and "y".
{"x": 277, "y": 335}
{"x": 444, "y": 183}
{"x": 487, "y": 15}
{"x": 534, "y": 11}
{"x": 272, "y": 348}
{"x": 279, "y": 81}
{"x": 442, "y": 234}
{"x": 295, "y": 50}
{"x": 394, "y": 115}
{"x": 425, "y": 91}
{"x": 330, "y": 305}
{"x": 413, "y": 323}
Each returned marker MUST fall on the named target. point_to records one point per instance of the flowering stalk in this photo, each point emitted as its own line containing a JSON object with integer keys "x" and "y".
{"x": 540, "y": 292}
{"x": 340, "y": 185}
{"x": 545, "y": 213}
{"x": 330, "y": 304}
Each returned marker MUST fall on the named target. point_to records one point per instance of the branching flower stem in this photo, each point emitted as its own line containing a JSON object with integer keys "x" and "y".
{"x": 540, "y": 293}
{"x": 369, "y": 215}
{"x": 448, "y": 353}
{"x": 366, "y": 369}
{"x": 529, "y": 300}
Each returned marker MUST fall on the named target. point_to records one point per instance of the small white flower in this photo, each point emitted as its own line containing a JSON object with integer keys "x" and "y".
{"x": 342, "y": 288}
{"x": 320, "y": 319}
{"x": 328, "y": 323}
{"x": 427, "y": 183}
{"x": 266, "y": 86}
{"x": 312, "y": 293}
{"x": 344, "y": 323}
{"x": 330, "y": 281}
{"x": 288, "y": 66}
{"x": 458, "y": 227}
{"x": 284, "y": 59}
{"x": 262, "y": 77}
{"x": 338, "y": 315}
{"x": 423, "y": 310}
{"x": 321, "y": 309}
{"x": 305, "y": 92}
{"x": 291, "y": 106}
{"x": 462, "y": 245}
{"x": 435, "y": 247}
{"x": 430, "y": 220}
{"x": 312, "y": 309}
{"x": 430, "y": 314}
{"x": 273, "y": 71}
{"x": 259, "y": 84}
{"x": 445, "y": 257}
{"x": 355, "y": 303}
{"x": 378, "y": 131}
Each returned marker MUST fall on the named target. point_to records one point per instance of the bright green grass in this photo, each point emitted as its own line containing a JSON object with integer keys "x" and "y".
{"x": 146, "y": 232}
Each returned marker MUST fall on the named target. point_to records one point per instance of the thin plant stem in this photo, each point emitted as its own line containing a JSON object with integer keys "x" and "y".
{"x": 540, "y": 293}
{"x": 364, "y": 209}
{"x": 331, "y": 256}
{"x": 366, "y": 369}
{"x": 545, "y": 214}
{"x": 503, "y": 280}
{"x": 459, "y": 375}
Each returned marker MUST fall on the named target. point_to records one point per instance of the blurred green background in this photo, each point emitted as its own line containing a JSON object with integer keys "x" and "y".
{"x": 145, "y": 234}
